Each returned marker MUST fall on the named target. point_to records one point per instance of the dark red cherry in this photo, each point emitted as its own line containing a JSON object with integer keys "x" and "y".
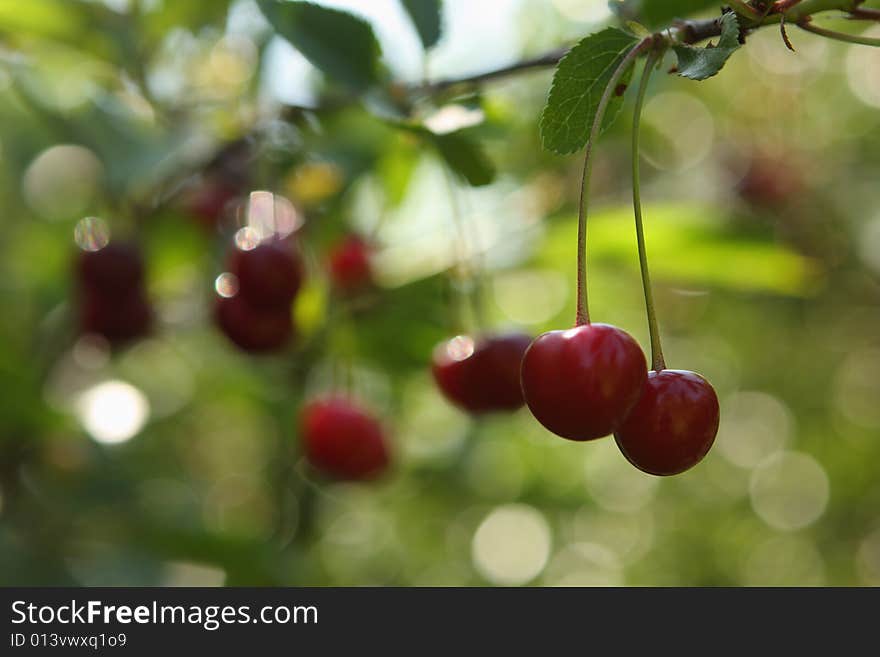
{"x": 269, "y": 275}
{"x": 253, "y": 329}
{"x": 481, "y": 376}
{"x": 115, "y": 270}
{"x": 342, "y": 439}
{"x": 581, "y": 383}
{"x": 672, "y": 426}
{"x": 119, "y": 319}
{"x": 208, "y": 202}
{"x": 349, "y": 264}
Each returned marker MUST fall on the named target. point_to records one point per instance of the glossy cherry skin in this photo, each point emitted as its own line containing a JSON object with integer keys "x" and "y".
{"x": 256, "y": 330}
{"x": 342, "y": 439}
{"x": 118, "y": 319}
{"x": 481, "y": 376}
{"x": 581, "y": 383}
{"x": 269, "y": 276}
{"x": 672, "y": 426}
{"x": 114, "y": 271}
{"x": 349, "y": 264}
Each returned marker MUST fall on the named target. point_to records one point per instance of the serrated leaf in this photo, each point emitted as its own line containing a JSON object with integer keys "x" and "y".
{"x": 339, "y": 44}
{"x": 425, "y": 15}
{"x": 660, "y": 13}
{"x": 577, "y": 88}
{"x": 466, "y": 157}
{"x": 701, "y": 63}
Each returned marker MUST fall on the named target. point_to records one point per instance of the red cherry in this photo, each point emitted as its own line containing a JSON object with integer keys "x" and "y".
{"x": 582, "y": 382}
{"x": 115, "y": 270}
{"x": 253, "y": 329}
{"x": 481, "y": 376}
{"x": 117, "y": 319}
{"x": 269, "y": 275}
{"x": 343, "y": 440}
{"x": 672, "y": 426}
{"x": 349, "y": 264}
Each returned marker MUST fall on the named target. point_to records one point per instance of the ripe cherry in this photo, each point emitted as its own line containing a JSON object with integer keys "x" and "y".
{"x": 117, "y": 319}
{"x": 113, "y": 271}
{"x": 253, "y": 329}
{"x": 581, "y": 383}
{"x": 342, "y": 439}
{"x": 349, "y": 264}
{"x": 672, "y": 426}
{"x": 481, "y": 376}
{"x": 269, "y": 275}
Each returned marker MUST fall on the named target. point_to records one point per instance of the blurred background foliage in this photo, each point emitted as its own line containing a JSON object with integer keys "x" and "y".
{"x": 175, "y": 460}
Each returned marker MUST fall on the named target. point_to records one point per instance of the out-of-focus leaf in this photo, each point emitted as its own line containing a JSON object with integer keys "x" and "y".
{"x": 425, "y": 15}
{"x": 683, "y": 246}
{"x": 578, "y": 84}
{"x": 466, "y": 157}
{"x": 660, "y": 13}
{"x": 701, "y": 63}
{"x": 48, "y": 18}
{"x": 338, "y": 43}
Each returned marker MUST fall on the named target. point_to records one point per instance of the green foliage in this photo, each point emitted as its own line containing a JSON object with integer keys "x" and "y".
{"x": 465, "y": 157}
{"x": 660, "y": 13}
{"x": 675, "y": 229}
{"x": 338, "y": 43}
{"x": 426, "y": 16}
{"x": 578, "y": 84}
{"x": 701, "y": 63}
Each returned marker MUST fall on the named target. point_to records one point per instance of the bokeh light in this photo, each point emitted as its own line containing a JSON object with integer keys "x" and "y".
{"x": 512, "y": 544}
{"x": 754, "y": 425}
{"x": 789, "y": 490}
{"x": 113, "y": 411}
{"x": 62, "y": 181}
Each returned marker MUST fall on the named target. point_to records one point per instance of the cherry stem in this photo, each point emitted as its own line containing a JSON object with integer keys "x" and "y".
{"x": 470, "y": 274}
{"x": 839, "y": 36}
{"x": 658, "y": 363}
{"x": 583, "y": 309}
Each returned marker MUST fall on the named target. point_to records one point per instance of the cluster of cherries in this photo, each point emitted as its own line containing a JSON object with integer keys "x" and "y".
{"x": 582, "y": 384}
{"x": 253, "y": 309}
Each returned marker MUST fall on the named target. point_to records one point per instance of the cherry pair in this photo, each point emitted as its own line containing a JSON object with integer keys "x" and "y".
{"x": 255, "y": 313}
{"x": 112, "y": 297}
{"x": 590, "y": 381}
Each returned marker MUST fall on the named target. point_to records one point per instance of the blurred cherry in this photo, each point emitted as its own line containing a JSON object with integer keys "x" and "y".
{"x": 113, "y": 271}
{"x": 672, "y": 426}
{"x": 581, "y": 383}
{"x": 208, "y": 201}
{"x": 481, "y": 376}
{"x": 349, "y": 264}
{"x": 119, "y": 319}
{"x": 770, "y": 181}
{"x": 253, "y": 329}
{"x": 269, "y": 275}
{"x": 342, "y": 439}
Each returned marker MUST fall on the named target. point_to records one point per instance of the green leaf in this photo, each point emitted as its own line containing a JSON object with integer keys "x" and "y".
{"x": 338, "y": 43}
{"x": 689, "y": 244}
{"x": 465, "y": 156}
{"x": 661, "y": 13}
{"x": 701, "y": 63}
{"x": 578, "y": 83}
{"x": 425, "y": 15}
